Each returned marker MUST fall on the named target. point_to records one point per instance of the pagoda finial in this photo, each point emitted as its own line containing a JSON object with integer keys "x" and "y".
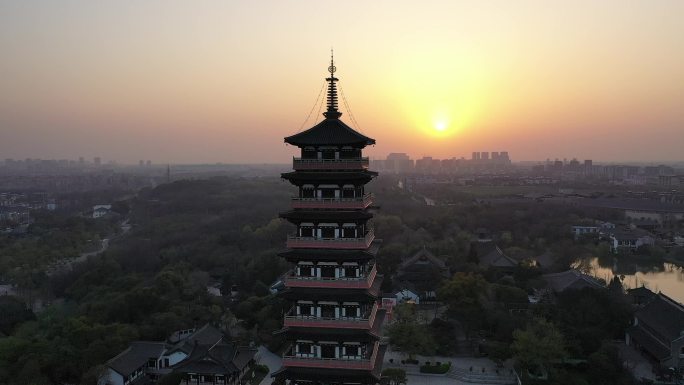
{"x": 332, "y": 112}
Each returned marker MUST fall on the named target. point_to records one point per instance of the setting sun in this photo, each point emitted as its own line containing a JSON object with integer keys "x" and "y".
{"x": 440, "y": 125}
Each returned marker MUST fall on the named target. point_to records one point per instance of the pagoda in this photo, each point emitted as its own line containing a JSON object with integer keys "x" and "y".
{"x": 333, "y": 327}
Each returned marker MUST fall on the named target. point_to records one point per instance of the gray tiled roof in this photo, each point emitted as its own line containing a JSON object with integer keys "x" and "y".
{"x": 206, "y": 335}
{"x": 137, "y": 355}
{"x": 490, "y": 254}
{"x": 570, "y": 279}
{"x": 663, "y": 315}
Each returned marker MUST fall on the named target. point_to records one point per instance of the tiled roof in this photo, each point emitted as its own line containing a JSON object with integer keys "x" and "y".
{"x": 136, "y": 356}
{"x": 490, "y": 254}
{"x": 331, "y": 132}
{"x": 333, "y": 254}
{"x": 329, "y": 177}
{"x": 328, "y": 216}
{"x": 423, "y": 255}
{"x": 647, "y": 342}
{"x": 570, "y": 279}
{"x": 663, "y": 315}
{"x": 219, "y": 358}
{"x": 206, "y": 335}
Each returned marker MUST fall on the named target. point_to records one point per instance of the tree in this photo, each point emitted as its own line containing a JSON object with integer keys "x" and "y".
{"x": 606, "y": 368}
{"x": 463, "y": 295}
{"x": 409, "y": 336}
{"x": 395, "y": 376}
{"x": 13, "y": 311}
{"x": 538, "y": 345}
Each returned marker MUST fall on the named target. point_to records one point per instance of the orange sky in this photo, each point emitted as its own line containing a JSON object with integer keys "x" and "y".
{"x": 225, "y": 81}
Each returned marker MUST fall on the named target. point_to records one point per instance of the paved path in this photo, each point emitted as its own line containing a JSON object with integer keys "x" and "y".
{"x": 460, "y": 372}
{"x": 270, "y": 359}
{"x": 640, "y": 367}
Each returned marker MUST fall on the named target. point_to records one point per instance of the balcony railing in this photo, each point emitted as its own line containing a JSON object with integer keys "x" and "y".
{"x": 363, "y": 282}
{"x": 331, "y": 322}
{"x": 331, "y": 243}
{"x": 333, "y": 203}
{"x": 330, "y": 164}
{"x": 334, "y": 363}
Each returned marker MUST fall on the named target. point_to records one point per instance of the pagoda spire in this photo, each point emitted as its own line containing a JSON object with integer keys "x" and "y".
{"x": 332, "y": 112}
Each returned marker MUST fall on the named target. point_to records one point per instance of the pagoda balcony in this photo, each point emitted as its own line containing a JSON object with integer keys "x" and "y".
{"x": 363, "y": 282}
{"x": 366, "y": 362}
{"x": 293, "y": 320}
{"x": 333, "y": 203}
{"x": 331, "y": 243}
{"x": 330, "y": 164}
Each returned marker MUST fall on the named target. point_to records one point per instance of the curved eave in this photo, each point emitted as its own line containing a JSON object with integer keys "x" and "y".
{"x": 316, "y": 294}
{"x": 317, "y": 374}
{"x": 330, "y": 132}
{"x": 325, "y": 215}
{"x": 329, "y": 177}
{"x": 371, "y": 334}
{"x": 332, "y": 254}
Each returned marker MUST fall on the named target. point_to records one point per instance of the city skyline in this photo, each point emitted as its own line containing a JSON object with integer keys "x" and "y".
{"x": 213, "y": 82}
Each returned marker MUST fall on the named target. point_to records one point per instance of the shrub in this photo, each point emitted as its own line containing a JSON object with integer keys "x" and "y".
{"x": 261, "y": 368}
{"x": 436, "y": 369}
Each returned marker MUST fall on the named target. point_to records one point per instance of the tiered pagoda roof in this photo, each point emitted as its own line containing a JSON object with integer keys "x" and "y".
{"x": 334, "y": 324}
{"x": 330, "y": 132}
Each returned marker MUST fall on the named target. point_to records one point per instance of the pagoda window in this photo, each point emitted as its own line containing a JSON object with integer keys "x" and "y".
{"x": 329, "y": 193}
{"x": 351, "y": 310}
{"x": 306, "y": 309}
{"x": 304, "y": 349}
{"x": 328, "y": 271}
{"x": 350, "y": 153}
{"x": 309, "y": 153}
{"x": 329, "y": 350}
{"x": 308, "y": 191}
{"x": 349, "y": 230}
{"x": 306, "y": 269}
{"x": 328, "y": 311}
{"x": 348, "y": 192}
{"x": 329, "y": 154}
{"x": 306, "y": 231}
{"x": 350, "y": 271}
{"x": 351, "y": 350}
{"x": 327, "y": 232}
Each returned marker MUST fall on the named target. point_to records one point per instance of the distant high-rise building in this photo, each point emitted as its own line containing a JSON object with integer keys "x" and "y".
{"x": 588, "y": 167}
{"x": 141, "y": 163}
{"x": 475, "y": 156}
{"x": 398, "y": 163}
{"x": 495, "y": 155}
{"x": 148, "y": 163}
{"x": 97, "y": 160}
{"x": 484, "y": 155}
{"x": 81, "y": 160}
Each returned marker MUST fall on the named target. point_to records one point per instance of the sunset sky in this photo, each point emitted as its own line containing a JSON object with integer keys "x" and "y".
{"x": 225, "y": 81}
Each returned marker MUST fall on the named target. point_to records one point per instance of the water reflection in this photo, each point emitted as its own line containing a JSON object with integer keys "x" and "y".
{"x": 665, "y": 277}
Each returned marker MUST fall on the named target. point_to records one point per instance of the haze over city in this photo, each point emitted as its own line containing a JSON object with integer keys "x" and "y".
{"x": 191, "y": 82}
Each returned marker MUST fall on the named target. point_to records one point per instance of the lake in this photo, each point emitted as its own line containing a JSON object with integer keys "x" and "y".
{"x": 665, "y": 277}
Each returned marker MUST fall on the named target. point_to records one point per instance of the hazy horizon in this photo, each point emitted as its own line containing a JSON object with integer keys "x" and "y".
{"x": 209, "y": 82}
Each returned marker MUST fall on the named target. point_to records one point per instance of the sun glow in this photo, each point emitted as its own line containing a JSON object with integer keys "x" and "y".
{"x": 440, "y": 125}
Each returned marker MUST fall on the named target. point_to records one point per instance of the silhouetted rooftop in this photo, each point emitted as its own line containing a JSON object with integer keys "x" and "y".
{"x": 332, "y": 132}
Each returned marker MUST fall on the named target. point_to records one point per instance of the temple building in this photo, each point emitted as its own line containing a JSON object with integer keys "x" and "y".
{"x": 334, "y": 325}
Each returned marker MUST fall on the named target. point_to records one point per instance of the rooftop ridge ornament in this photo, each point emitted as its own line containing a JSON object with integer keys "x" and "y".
{"x": 332, "y": 112}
